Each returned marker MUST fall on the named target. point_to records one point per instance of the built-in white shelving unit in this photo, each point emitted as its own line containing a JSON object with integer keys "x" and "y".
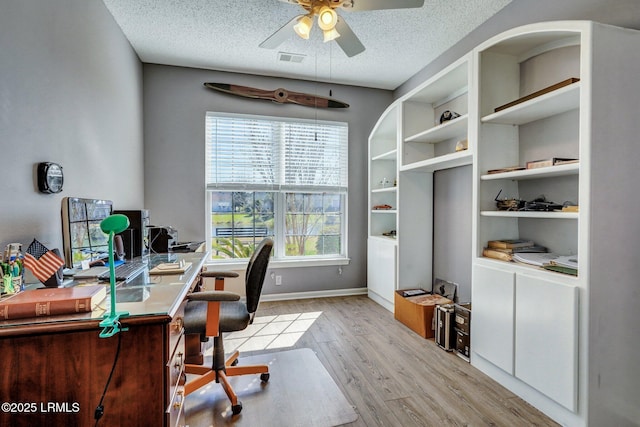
{"x": 410, "y": 139}
{"x": 544, "y": 335}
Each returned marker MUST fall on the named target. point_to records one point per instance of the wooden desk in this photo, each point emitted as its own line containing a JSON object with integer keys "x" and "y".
{"x": 54, "y": 369}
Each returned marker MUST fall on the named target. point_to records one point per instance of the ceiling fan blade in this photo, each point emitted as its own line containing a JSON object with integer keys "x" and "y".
{"x": 348, "y": 41}
{"x": 358, "y": 5}
{"x": 277, "y": 38}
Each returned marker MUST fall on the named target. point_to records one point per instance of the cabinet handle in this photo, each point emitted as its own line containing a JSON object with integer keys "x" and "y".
{"x": 179, "y": 399}
{"x": 179, "y": 360}
{"x": 177, "y": 324}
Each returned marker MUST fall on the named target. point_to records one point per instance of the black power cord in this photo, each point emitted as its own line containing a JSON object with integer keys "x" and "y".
{"x": 99, "y": 411}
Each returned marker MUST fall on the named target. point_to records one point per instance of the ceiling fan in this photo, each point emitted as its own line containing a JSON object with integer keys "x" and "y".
{"x": 332, "y": 24}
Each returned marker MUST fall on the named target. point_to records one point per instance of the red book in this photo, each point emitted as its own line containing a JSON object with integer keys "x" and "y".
{"x": 52, "y": 301}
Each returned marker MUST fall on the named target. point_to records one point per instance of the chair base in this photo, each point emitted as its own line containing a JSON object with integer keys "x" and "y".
{"x": 206, "y": 375}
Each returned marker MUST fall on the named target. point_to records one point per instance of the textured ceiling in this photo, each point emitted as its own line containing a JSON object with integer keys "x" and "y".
{"x": 224, "y": 35}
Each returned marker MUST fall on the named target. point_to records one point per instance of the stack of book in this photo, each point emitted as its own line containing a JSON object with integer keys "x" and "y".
{"x": 505, "y": 250}
{"x": 567, "y": 264}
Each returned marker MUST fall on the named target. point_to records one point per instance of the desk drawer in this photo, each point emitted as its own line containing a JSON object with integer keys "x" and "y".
{"x": 176, "y": 375}
{"x": 175, "y": 410}
{"x": 176, "y": 367}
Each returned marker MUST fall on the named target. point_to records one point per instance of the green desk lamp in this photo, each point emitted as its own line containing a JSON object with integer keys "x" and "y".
{"x": 112, "y": 225}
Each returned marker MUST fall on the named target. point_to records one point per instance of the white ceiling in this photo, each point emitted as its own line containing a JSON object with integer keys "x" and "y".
{"x": 225, "y": 34}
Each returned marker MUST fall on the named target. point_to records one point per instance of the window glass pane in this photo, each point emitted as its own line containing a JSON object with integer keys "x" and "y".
{"x": 311, "y": 230}
{"x": 239, "y": 221}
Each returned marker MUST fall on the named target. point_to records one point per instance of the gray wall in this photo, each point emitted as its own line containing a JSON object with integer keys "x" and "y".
{"x": 71, "y": 93}
{"x": 623, "y": 13}
{"x": 175, "y": 105}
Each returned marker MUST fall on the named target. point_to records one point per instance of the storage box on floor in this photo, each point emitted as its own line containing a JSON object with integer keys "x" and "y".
{"x": 463, "y": 330}
{"x": 416, "y": 312}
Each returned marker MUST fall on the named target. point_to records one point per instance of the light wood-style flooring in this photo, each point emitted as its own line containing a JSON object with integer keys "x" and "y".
{"x": 393, "y": 376}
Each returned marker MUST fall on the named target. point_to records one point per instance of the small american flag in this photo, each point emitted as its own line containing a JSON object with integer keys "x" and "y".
{"x": 42, "y": 262}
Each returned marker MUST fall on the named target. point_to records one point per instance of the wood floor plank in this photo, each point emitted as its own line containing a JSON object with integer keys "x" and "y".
{"x": 393, "y": 376}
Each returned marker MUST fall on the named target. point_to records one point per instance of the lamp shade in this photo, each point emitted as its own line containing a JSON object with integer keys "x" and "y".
{"x": 331, "y": 34}
{"x": 303, "y": 27}
{"x": 327, "y": 18}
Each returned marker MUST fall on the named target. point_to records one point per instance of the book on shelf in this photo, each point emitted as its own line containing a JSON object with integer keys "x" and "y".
{"x": 510, "y": 243}
{"x": 507, "y": 169}
{"x": 497, "y": 254}
{"x": 537, "y": 259}
{"x": 561, "y": 269}
{"x": 523, "y": 249}
{"x": 52, "y": 301}
{"x": 553, "y": 161}
{"x": 538, "y": 93}
{"x": 570, "y": 261}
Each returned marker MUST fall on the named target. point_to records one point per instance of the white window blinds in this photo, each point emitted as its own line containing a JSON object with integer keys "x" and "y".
{"x": 275, "y": 154}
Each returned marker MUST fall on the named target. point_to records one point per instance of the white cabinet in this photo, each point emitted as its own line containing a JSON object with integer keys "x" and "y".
{"x": 381, "y": 271}
{"x": 493, "y": 298}
{"x": 546, "y": 337}
{"x": 528, "y": 327}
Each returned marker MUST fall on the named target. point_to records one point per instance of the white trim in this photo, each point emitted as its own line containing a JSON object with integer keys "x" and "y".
{"x": 314, "y": 294}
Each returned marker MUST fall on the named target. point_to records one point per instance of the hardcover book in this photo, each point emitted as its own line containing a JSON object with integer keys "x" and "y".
{"x": 549, "y": 162}
{"x": 52, "y": 301}
{"x": 496, "y": 254}
{"x": 510, "y": 243}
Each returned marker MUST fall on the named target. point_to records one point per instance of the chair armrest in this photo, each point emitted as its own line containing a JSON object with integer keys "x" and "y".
{"x": 219, "y": 274}
{"x": 213, "y": 296}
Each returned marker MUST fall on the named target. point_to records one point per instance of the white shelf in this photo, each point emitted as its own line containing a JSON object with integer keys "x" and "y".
{"x": 547, "y": 105}
{"x": 383, "y": 211}
{"x": 530, "y": 214}
{"x": 450, "y": 129}
{"x": 527, "y": 269}
{"x": 389, "y": 155}
{"x": 384, "y": 190}
{"x": 546, "y": 172}
{"x": 384, "y": 238}
{"x": 447, "y": 161}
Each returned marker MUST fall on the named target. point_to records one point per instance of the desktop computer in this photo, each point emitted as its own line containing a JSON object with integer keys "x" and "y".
{"x": 135, "y": 238}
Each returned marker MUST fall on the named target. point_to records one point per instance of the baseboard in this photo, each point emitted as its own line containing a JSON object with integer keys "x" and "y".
{"x": 314, "y": 294}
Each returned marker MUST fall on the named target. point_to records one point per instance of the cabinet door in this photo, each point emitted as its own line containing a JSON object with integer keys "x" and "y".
{"x": 493, "y": 307}
{"x": 381, "y": 268}
{"x": 547, "y": 337}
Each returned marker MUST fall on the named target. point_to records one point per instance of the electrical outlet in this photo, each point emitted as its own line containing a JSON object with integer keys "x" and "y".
{"x": 278, "y": 280}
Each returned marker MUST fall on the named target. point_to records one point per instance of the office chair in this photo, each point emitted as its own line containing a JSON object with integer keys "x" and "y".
{"x": 211, "y": 313}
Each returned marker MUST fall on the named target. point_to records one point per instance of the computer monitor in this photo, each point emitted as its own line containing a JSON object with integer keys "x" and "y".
{"x": 82, "y": 237}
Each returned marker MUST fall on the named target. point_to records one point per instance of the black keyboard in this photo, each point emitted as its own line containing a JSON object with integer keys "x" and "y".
{"x": 125, "y": 272}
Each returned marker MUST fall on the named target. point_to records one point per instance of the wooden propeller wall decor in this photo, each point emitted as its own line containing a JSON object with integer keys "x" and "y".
{"x": 333, "y": 26}
{"x": 280, "y": 96}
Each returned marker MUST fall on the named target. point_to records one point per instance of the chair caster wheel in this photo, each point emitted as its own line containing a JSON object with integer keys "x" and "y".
{"x": 264, "y": 377}
{"x": 236, "y": 408}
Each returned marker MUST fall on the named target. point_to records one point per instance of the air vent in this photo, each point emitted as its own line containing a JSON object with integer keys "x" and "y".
{"x": 290, "y": 57}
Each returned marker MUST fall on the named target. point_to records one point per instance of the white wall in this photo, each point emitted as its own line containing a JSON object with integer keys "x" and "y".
{"x": 70, "y": 93}
{"x": 175, "y": 105}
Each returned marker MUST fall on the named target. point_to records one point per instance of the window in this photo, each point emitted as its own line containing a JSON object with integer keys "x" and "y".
{"x": 275, "y": 177}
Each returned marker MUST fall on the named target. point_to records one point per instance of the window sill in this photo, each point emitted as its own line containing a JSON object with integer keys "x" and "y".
{"x": 293, "y": 263}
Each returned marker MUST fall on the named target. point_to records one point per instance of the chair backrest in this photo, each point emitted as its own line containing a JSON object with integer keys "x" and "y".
{"x": 256, "y": 271}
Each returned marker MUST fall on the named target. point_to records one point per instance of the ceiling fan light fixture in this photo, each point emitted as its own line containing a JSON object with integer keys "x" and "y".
{"x": 303, "y": 27}
{"x": 331, "y": 34}
{"x": 327, "y": 18}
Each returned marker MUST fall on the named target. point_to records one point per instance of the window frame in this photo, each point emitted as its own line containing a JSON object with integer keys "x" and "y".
{"x": 279, "y": 258}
